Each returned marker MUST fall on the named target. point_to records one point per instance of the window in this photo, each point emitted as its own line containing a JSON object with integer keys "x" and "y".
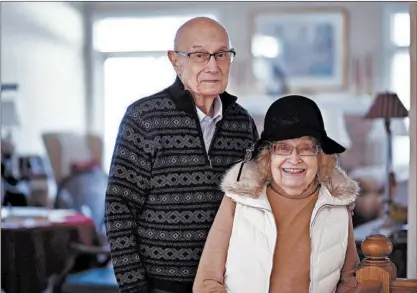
{"x": 400, "y": 29}
{"x": 398, "y": 68}
{"x": 399, "y": 56}
{"x": 135, "y": 65}
{"x": 125, "y": 80}
{"x": 137, "y": 34}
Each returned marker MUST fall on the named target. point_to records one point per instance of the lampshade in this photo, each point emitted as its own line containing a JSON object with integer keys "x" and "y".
{"x": 9, "y": 116}
{"x": 387, "y": 105}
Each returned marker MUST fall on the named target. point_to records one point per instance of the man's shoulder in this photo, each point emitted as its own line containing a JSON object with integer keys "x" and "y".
{"x": 239, "y": 110}
{"x": 157, "y": 102}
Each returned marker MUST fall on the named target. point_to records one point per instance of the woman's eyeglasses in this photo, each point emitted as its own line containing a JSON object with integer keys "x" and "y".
{"x": 284, "y": 149}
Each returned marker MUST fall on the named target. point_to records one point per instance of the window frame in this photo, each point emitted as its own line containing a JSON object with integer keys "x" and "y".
{"x": 390, "y": 49}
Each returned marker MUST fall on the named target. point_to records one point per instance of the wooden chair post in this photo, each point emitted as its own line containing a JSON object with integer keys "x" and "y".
{"x": 377, "y": 266}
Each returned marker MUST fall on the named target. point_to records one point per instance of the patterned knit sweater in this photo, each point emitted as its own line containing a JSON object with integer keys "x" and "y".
{"x": 163, "y": 191}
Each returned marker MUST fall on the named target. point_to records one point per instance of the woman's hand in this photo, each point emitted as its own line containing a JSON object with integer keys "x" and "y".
{"x": 351, "y": 208}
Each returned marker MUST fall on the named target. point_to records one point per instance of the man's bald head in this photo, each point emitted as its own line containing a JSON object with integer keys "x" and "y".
{"x": 198, "y": 26}
{"x": 204, "y": 78}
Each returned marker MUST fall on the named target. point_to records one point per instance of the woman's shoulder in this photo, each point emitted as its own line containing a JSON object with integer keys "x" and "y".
{"x": 251, "y": 181}
{"x": 341, "y": 187}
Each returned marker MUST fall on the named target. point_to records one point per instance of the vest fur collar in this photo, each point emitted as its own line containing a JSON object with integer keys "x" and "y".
{"x": 252, "y": 183}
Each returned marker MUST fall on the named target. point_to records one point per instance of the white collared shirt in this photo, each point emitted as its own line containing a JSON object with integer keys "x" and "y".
{"x": 208, "y": 124}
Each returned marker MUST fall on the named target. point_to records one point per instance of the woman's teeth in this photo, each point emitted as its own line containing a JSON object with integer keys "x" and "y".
{"x": 293, "y": 170}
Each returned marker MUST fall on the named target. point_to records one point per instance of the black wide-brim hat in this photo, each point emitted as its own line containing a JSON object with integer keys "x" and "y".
{"x": 294, "y": 117}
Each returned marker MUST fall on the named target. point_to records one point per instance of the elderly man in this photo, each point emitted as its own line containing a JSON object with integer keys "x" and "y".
{"x": 171, "y": 152}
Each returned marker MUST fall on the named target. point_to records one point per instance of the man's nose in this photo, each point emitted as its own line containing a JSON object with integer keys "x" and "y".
{"x": 212, "y": 65}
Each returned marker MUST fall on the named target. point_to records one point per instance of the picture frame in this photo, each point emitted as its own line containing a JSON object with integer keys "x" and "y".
{"x": 300, "y": 50}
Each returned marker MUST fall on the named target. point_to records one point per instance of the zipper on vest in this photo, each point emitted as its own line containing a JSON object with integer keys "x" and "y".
{"x": 311, "y": 246}
{"x": 315, "y": 216}
{"x": 311, "y": 264}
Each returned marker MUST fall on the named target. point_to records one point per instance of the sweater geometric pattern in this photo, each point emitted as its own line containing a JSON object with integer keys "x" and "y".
{"x": 163, "y": 191}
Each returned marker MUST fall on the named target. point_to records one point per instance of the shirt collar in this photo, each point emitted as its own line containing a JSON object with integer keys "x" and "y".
{"x": 217, "y": 113}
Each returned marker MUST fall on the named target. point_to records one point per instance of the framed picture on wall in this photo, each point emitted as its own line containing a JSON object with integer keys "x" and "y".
{"x": 300, "y": 50}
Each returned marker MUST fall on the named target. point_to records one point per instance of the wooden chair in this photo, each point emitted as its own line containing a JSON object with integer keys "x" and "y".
{"x": 82, "y": 190}
{"x": 377, "y": 274}
{"x": 65, "y": 148}
{"x": 87, "y": 194}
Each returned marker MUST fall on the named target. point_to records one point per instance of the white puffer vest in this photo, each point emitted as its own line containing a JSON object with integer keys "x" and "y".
{"x": 254, "y": 234}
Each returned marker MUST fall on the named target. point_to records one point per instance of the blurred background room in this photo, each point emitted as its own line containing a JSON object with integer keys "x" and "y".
{"x": 70, "y": 69}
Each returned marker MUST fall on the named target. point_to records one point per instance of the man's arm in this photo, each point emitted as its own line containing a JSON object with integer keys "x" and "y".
{"x": 128, "y": 186}
{"x": 210, "y": 273}
{"x": 348, "y": 282}
{"x": 255, "y": 133}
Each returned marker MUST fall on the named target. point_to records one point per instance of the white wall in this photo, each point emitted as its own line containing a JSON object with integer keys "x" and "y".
{"x": 365, "y": 22}
{"x": 42, "y": 47}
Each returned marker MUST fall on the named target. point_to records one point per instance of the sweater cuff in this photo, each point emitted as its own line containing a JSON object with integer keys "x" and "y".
{"x": 141, "y": 287}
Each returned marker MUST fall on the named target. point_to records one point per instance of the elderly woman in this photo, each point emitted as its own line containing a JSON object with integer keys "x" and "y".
{"x": 283, "y": 225}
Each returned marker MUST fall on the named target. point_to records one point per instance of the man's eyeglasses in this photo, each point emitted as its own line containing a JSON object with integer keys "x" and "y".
{"x": 204, "y": 57}
{"x": 284, "y": 149}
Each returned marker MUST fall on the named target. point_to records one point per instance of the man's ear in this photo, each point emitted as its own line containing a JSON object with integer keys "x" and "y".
{"x": 173, "y": 58}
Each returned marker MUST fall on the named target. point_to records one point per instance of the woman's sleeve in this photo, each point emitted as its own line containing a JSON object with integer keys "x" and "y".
{"x": 211, "y": 270}
{"x": 348, "y": 282}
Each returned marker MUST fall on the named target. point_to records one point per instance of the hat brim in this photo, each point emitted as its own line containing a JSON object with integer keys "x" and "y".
{"x": 330, "y": 146}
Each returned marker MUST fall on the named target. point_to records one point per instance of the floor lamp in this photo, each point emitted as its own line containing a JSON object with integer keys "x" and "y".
{"x": 387, "y": 106}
